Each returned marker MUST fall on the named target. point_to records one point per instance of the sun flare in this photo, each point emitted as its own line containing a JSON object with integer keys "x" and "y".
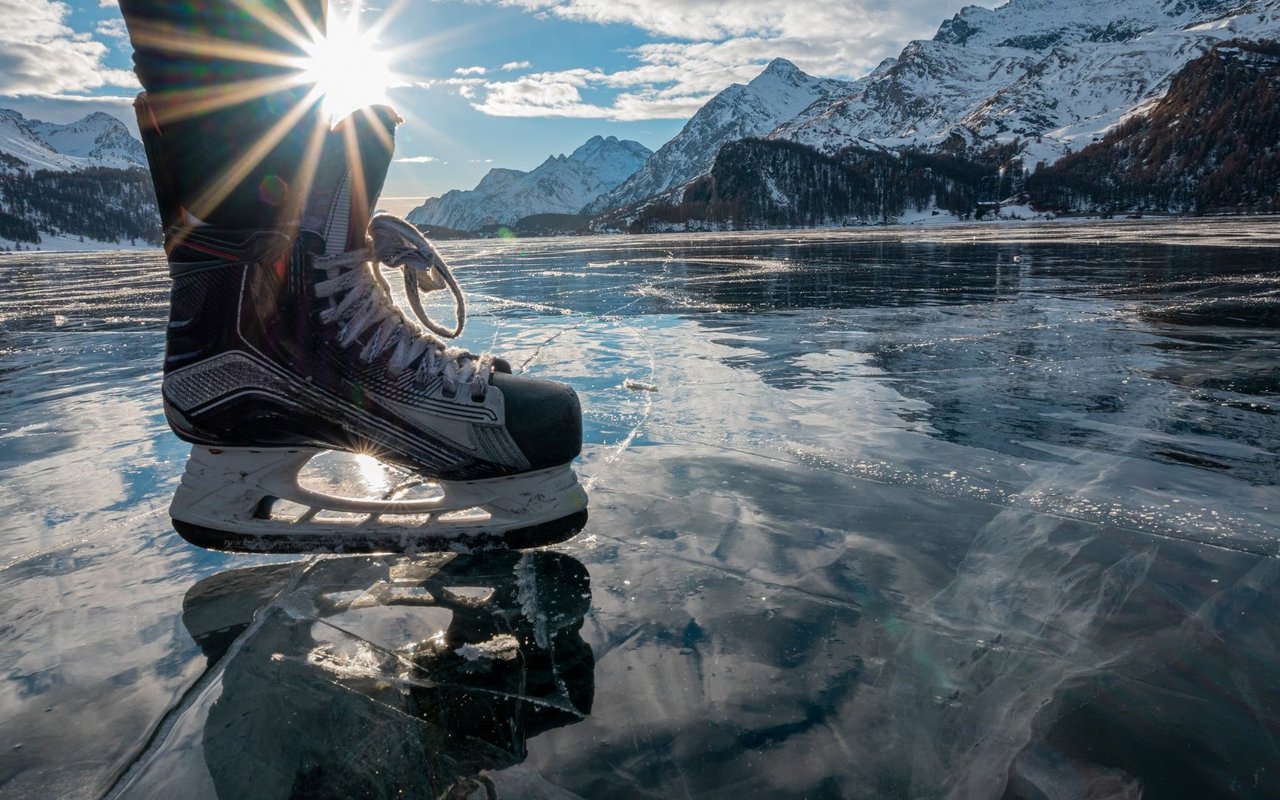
{"x": 347, "y": 67}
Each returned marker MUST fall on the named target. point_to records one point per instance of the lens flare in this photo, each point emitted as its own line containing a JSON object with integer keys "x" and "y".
{"x": 347, "y": 66}
{"x": 344, "y": 69}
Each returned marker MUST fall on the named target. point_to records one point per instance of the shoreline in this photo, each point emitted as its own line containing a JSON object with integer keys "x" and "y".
{"x": 939, "y": 225}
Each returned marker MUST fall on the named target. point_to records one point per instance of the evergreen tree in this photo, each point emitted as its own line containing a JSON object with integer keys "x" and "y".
{"x": 100, "y": 203}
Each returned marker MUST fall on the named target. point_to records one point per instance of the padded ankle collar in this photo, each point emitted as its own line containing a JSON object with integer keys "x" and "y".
{"x": 199, "y": 249}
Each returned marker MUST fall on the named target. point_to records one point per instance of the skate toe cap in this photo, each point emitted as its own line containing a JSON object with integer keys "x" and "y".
{"x": 543, "y": 417}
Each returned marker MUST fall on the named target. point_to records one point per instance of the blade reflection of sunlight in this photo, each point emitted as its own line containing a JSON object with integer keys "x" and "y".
{"x": 373, "y": 473}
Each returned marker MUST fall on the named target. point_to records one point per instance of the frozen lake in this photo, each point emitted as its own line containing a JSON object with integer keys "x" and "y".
{"x": 966, "y": 512}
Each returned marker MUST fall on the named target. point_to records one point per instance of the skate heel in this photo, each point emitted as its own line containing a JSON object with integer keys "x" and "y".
{"x": 228, "y": 495}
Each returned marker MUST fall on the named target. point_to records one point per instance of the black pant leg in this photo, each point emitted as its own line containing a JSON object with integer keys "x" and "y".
{"x": 216, "y": 83}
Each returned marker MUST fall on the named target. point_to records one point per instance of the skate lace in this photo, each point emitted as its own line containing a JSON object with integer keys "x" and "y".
{"x": 366, "y": 305}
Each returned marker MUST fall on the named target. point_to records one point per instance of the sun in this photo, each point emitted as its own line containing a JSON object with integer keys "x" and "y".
{"x": 347, "y": 66}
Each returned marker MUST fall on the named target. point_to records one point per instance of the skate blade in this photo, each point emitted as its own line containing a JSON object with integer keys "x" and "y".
{"x": 227, "y": 496}
{"x": 369, "y": 542}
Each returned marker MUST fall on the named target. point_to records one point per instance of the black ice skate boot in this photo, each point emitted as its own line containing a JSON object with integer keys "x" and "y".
{"x": 284, "y": 342}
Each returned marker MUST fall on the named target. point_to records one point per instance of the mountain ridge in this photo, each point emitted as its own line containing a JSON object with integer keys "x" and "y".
{"x": 1208, "y": 145}
{"x": 1057, "y": 75}
{"x": 77, "y": 185}
{"x": 560, "y": 185}
{"x": 739, "y": 111}
{"x": 95, "y": 140}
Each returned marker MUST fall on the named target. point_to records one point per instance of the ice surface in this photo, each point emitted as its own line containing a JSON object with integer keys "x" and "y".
{"x": 956, "y": 511}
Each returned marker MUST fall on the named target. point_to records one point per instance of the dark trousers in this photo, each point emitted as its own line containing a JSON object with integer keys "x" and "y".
{"x": 233, "y": 129}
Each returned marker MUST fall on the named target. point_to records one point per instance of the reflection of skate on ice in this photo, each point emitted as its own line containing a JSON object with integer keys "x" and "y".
{"x": 382, "y": 677}
{"x": 284, "y": 341}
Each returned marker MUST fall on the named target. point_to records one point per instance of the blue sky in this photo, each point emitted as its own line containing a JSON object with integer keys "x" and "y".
{"x": 486, "y": 83}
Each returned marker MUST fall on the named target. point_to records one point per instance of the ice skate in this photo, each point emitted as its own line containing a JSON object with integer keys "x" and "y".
{"x": 284, "y": 342}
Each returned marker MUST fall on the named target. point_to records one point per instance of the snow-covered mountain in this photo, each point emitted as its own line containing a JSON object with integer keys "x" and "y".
{"x": 775, "y": 96}
{"x": 1226, "y": 100}
{"x": 561, "y": 185}
{"x": 1056, "y": 73}
{"x": 1207, "y": 146}
{"x": 98, "y": 140}
{"x": 47, "y": 200}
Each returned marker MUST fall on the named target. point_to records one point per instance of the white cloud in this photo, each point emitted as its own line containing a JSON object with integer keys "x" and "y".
{"x": 854, "y": 21}
{"x": 672, "y": 81}
{"x": 467, "y": 88}
{"x": 470, "y": 71}
{"x": 702, "y": 46}
{"x": 419, "y": 160}
{"x": 511, "y": 66}
{"x": 113, "y": 28}
{"x": 559, "y": 94}
{"x": 41, "y": 55}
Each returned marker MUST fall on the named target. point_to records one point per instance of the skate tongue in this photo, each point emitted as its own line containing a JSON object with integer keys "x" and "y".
{"x": 352, "y": 166}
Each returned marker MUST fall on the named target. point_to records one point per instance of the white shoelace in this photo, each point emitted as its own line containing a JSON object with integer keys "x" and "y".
{"x": 369, "y": 306}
